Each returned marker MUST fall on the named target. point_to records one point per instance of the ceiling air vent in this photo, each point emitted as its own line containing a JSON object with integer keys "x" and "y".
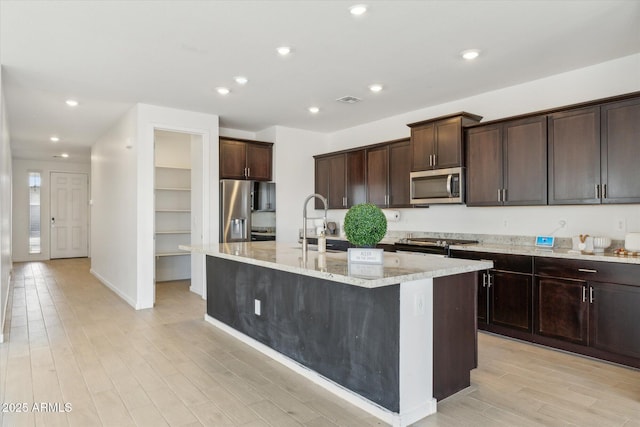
{"x": 349, "y": 99}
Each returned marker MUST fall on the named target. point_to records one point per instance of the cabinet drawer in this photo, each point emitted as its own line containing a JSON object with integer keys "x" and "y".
{"x": 503, "y": 262}
{"x": 598, "y": 271}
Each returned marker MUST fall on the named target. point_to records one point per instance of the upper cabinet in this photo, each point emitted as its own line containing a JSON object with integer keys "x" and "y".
{"x": 574, "y": 157}
{"x": 593, "y": 154}
{"x": 377, "y": 174}
{"x": 620, "y": 140}
{"x": 507, "y": 163}
{"x": 242, "y": 159}
{"x": 437, "y": 143}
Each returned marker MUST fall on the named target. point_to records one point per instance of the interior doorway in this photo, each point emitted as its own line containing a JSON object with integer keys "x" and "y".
{"x": 69, "y": 215}
{"x": 178, "y": 203}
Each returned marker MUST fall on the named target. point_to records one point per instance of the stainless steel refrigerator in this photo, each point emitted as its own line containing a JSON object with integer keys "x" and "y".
{"x": 235, "y": 210}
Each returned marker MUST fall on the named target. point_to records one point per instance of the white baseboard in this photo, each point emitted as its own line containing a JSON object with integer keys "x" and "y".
{"x": 346, "y": 394}
{"x": 109, "y": 285}
{"x": 6, "y": 304}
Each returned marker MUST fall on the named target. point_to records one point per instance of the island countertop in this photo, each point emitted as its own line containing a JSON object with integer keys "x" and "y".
{"x": 397, "y": 268}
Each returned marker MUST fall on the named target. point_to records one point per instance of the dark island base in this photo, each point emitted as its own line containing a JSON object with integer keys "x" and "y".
{"x": 348, "y": 334}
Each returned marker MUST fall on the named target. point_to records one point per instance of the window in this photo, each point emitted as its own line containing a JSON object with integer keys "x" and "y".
{"x": 35, "y": 181}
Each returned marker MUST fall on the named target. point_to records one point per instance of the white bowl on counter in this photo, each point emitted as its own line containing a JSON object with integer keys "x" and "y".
{"x": 600, "y": 244}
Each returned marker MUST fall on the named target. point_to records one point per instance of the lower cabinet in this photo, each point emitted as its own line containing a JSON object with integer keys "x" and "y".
{"x": 510, "y": 300}
{"x": 504, "y": 292}
{"x": 562, "y": 309}
{"x": 586, "y": 307}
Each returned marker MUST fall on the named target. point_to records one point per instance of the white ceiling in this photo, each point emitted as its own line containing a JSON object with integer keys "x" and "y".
{"x": 110, "y": 55}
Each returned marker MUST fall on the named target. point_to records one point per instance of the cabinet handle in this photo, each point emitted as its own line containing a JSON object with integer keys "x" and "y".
{"x": 504, "y": 195}
{"x": 248, "y": 172}
{"x": 587, "y": 270}
{"x": 245, "y": 172}
{"x": 597, "y": 188}
{"x": 344, "y": 201}
{"x": 590, "y": 295}
{"x": 604, "y": 191}
{"x": 499, "y": 193}
{"x": 489, "y": 282}
{"x": 584, "y": 293}
{"x": 430, "y": 160}
{"x": 435, "y": 160}
{"x": 484, "y": 280}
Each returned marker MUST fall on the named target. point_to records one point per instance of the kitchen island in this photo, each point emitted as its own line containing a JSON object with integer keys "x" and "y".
{"x": 391, "y": 339}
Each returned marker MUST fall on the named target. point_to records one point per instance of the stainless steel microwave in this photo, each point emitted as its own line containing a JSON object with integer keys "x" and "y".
{"x": 437, "y": 186}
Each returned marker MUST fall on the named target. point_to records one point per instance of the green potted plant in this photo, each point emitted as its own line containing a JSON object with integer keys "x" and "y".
{"x": 365, "y": 225}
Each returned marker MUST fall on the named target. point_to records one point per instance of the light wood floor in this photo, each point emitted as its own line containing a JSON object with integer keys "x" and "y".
{"x": 71, "y": 340}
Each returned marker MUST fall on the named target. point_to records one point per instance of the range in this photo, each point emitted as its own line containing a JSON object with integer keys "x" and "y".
{"x": 429, "y": 245}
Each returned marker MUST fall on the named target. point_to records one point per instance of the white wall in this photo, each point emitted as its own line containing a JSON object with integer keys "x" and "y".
{"x": 5, "y": 211}
{"x": 123, "y": 202}
{"x": 20, "y": 231}
{"x": 600, "y": 81}
{"x": 294, "y": 177}
{"x": 114, "y": 207}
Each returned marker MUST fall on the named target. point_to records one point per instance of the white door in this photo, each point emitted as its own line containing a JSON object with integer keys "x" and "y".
{"x": 69, "y": 212}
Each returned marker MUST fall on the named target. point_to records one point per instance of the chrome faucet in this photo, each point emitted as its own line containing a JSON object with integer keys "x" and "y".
{"x": 305, "y": 219}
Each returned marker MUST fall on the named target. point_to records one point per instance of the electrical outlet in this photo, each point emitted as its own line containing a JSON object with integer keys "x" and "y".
{"x": 505, "y": 223}
{"x": 562, "y": 223}
{"x": 620, "y": 224}
{"x": 257, "y": 307}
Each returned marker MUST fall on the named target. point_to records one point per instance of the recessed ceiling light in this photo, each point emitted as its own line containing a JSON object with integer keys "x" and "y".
{"x": 358, "y": 9}
{"x": 71, "y": 102}
{"x": 375, "y": 87}
{"x": 241, "y": 80}
{"x": 284, "y": 50}
{"x": 314, "y": 110}
{"x": 223, "y": 90}
{"x": 54, "y": 139}
{"x": 64, "y": 155}
{"x": 470, "y": 54}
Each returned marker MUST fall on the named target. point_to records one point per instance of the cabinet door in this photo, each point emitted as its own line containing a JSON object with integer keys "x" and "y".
{"x": 510, "y": 300}
{"x": 615, "y": 318}
{"x": 377, "y": 173}
{"x": 620, "y": 152}
{"x": 356, "y": 184}
{"x": 448, "y": 135}
{"x": 399, "y": 170}
{"x": 484, "y": 165}
{"x": 574, "y": 157}
{"x": 232, "y": 159}
{"x": 337, "y": 182}
{"x": 259, "y": 162}
{"x": 561, "y": 309}
{"x": 525, "y": 162}
{"x": 422, "y": 147}
{"x": 322, "y": 179}
{"x": 483, "y": 300}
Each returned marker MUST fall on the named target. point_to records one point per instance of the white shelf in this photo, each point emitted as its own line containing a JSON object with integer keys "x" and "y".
{"x": 173, "y": 210}
{"x": 174, "y": 232}
{"x": 171, "y": 167}
{"x": 172, "y": 189}
{"x": 164, "y": 254}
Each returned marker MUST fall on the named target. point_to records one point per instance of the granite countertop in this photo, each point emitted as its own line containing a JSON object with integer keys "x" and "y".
{"x": 552, "y": 253}
{"x": 397, "y": 268}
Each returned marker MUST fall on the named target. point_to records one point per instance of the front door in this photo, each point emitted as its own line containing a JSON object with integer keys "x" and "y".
{"x": 69, "y": 212}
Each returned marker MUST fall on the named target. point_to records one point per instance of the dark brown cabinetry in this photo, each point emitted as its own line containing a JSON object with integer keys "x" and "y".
{"x": 341, "y": 179}
{"x": 388, "y": 168}
{"x": 377, "y": 174}
{"x": 507, "y": 163}
{"x": 574, "y": 156}
{"x": 437, "y": 143}
{"x": 620, "y": 139}
{"x": 592, "y": 154}
{"x": 593, "y": 304}
{"x": 504, "y": 292}
{"x": 241, "y": 159}
{"x": 330, "y": 181}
